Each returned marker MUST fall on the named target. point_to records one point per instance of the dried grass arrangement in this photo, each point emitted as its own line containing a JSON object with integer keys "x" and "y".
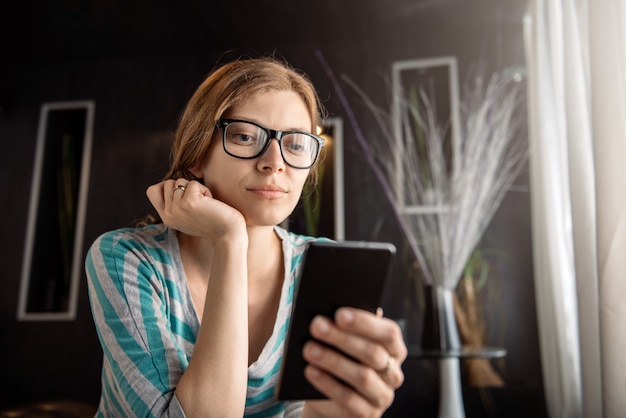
{"x": 463, "y": 193}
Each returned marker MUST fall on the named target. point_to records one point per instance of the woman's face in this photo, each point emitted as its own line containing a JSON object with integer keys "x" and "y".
{"x": 264, "y": 189}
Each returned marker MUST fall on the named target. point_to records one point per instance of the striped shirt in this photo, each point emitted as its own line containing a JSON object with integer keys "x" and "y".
{"x": 147, "y": 324}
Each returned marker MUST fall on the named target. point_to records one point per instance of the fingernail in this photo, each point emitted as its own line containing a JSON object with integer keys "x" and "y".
{"x": 321, "y": 324}
{"x": 345, "y": 316}
{"x": 314, "y": 351}
{"x": 313, "y": 372}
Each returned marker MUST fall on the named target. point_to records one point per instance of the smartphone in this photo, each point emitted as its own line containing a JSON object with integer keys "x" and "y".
{"x": 334, "y": 274}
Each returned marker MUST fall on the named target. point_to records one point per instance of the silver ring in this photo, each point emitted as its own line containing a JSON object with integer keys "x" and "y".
{"x": 179, "y": 187}
{"x": 387, "y": 369}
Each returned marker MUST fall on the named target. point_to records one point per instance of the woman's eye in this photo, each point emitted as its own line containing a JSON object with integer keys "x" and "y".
{"x": 297, "y": 144}
{"x": 295, "y": 147}
{"x": 243, "y": 138}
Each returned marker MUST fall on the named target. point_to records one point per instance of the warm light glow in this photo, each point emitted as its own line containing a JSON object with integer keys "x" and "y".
{"x": 323, "y": 132}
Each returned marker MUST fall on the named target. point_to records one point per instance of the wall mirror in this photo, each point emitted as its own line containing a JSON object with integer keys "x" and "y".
{"x": 53, "y": 249}
{"x": 424, "y": 83}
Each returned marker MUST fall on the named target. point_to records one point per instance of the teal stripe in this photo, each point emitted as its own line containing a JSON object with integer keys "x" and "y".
{"x": 182, "y": 329}
{"x": 282, "y": 334}
{"x": 106, "y": 306}
{"x": 111, "y": 402}
{"x": 292, "y": 291}
{"x": 261, "y": 397}
{"x": 172, "y": 289}
{"x": 295, "y": 261}
{"x": 122, "y": 334}
{"x": 274, "y": 410}
{"x": 259, "y": 382}
{"x": 154, "y": 342}
{"x": 158, "y": 254}
{"x": 157, "y": 237}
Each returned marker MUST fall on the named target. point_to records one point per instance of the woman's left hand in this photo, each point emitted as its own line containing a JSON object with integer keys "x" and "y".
{"x": 372, "y": 367}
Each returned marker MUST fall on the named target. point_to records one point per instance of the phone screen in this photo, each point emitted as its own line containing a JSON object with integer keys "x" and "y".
{"x": 334, "y": 274}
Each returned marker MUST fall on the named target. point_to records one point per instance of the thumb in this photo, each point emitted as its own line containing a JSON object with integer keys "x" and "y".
{"x": 155, "y": 195}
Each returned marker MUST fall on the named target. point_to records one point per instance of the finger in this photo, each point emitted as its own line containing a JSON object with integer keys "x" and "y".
{"x": 358, "y": 377}
{"x": 368, "y": 352}
{"x": 168, "y": 185}
{"x": 178, "y": 189}
{"x": 373, "y": 327}
{"x": 196, "y": 188}
{"x": 391, "y": 373}
{"x": 155, "y": 195}
{"x": 161, "y": 195}
{"x": 340, "y": 397}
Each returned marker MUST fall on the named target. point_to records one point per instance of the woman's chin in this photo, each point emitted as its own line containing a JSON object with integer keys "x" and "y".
{"x": 266, "y": 221}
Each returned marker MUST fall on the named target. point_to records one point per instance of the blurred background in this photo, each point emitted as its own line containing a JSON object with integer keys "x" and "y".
{"x": 139, "y": 62}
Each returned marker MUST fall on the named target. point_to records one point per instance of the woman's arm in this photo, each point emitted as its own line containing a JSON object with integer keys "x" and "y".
{"x": 215, "y": 382}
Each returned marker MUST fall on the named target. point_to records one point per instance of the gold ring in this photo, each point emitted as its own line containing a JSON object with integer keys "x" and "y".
{"x": 179, "y": 187}
{"x": 385, "y": 371}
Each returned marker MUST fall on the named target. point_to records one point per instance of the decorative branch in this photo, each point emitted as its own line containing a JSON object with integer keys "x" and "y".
{"x": 378, "y": 172}
{"x": 465, "y": 196}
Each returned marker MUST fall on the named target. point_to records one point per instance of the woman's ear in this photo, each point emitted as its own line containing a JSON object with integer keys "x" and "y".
{"x": 196, "y": 170}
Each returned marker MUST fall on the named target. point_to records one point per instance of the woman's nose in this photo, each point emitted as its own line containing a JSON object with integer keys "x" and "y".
{"x": 272, "y": 158}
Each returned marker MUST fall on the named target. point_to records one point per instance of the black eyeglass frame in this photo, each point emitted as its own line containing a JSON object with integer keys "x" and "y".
{"x": 271, "y": 134}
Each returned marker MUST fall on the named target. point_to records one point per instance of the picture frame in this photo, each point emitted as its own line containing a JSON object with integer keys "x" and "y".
{"x": 436, "y": 80}
{"x": 53, "y": 250}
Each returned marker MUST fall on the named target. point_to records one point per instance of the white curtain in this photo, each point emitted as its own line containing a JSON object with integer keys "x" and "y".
{"x": 576, "y": 56}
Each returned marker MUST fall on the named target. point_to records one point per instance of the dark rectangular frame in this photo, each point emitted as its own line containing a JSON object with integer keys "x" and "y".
{"x": 41, "y": 237}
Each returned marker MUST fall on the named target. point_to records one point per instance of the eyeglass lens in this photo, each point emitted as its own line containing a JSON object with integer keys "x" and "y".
{"x": 246, "y": 140}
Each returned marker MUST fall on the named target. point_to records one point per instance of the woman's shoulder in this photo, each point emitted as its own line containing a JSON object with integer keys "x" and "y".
{"x": 141, "y": 238}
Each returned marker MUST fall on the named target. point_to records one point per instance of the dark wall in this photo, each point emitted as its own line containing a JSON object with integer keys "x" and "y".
{"x": 138, "y": 99}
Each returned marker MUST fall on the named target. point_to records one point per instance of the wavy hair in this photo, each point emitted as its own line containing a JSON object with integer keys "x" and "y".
{"x": 226, "y": 87}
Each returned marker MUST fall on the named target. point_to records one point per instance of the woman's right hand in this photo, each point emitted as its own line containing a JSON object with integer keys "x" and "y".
{"x": 189, "y": 207}
{"x": 216, "y": 267}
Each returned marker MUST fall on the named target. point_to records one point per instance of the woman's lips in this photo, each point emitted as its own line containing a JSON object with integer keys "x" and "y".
{"x": 268, "y": 192}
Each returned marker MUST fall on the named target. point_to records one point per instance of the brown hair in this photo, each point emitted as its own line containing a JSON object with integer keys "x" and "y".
{"x": 225, "y": 87}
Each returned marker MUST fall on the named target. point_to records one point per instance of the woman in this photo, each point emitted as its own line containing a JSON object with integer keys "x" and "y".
{"x": 191, "y": 312}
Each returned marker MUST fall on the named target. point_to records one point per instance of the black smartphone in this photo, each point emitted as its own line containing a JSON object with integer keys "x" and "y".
{"x": 334, "y": 274}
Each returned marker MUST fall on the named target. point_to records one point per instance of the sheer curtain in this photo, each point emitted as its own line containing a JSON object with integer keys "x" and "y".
{"x": 576, "y": 55}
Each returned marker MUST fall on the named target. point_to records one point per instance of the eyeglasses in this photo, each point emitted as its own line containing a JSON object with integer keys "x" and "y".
{"x": 243, "y": 139}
